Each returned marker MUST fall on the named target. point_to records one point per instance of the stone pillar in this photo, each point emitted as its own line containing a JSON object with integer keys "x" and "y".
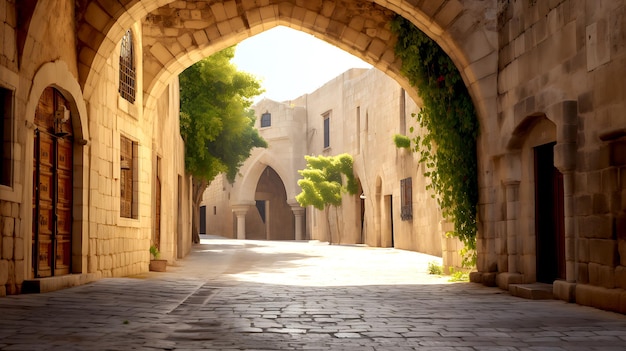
{"x": 565, "y": 114}
{"x": 571, "y": 254}
{"x": 240, "y": 211}
{"x": 298, "y": 214}
{"x": 512, "y": 209}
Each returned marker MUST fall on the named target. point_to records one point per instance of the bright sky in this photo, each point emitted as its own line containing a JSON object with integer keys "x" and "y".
{"x": 291, "y": 63}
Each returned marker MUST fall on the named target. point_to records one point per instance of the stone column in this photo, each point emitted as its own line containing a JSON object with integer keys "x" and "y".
{"x": 565, "y": 152}
{"x": 512, "y": 209}
{"x": 298, "y": 214}
{"x": 240, "y": 211}
{"x": 571, "y": 254}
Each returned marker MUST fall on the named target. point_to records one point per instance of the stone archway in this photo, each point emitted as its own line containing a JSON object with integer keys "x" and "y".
{"x": 272, "y": 219}
{"x": 56, "y": 77}
{"x": 552, "y": 132}
{"x": 177, "y": 34}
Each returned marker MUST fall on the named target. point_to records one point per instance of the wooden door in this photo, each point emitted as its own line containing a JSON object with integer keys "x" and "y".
{"x": 52, "y": 189}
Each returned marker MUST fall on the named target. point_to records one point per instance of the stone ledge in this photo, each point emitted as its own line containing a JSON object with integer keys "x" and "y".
{"x": 602, "y": 298}
{"x": 503, "y": 280}
{"x": 565, "y": 291}
{"x": 485, "y": 278}
{"x": 44, "y": 285}
{"x": 534, "y": 291}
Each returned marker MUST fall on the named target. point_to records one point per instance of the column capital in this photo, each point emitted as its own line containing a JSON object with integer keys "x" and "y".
{"x": 240, "y": 210}
{"x": 297, "y": 210}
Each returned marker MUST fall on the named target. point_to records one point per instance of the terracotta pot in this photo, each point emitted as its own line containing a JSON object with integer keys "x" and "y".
{"x": 158, "y": 265}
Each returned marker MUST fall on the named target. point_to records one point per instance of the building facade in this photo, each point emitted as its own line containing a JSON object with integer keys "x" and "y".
{"x": 544, "y": 76}
{"x": 358, "y": 113}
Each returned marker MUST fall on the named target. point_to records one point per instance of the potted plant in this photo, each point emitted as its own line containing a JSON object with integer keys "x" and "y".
{"x": 156, "y": 264}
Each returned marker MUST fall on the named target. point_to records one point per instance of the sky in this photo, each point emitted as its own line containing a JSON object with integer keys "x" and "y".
{"x": 290, "y": 63}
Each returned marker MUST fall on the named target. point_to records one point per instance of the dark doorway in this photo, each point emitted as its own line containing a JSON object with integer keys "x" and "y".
{"x": 549, "y": 216}
{"x": 202, "y": 219}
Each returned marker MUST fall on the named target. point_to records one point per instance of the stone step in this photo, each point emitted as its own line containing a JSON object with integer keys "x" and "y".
{"x": 44, "y": 285}
{"x": 534, "y": 291}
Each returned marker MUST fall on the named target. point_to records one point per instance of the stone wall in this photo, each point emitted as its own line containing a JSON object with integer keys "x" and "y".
{"x": 365, "y": 109}
{"x": 103, "y": 243}
{"x": 560, "y": 64}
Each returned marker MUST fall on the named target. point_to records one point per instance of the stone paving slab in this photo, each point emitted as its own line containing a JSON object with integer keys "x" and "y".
{"x": 252, "y": 295}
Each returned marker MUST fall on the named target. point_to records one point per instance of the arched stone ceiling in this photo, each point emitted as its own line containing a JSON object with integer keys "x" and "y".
{"x": 179, "y": 33}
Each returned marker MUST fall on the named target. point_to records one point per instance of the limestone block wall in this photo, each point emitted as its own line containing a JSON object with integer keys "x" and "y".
{"x": 371, "y": 110}
{"x": 103, "y": 244}
{"x": 366, "y": 108}
{"x": 219, "y": 215}
{"x": 560, "y": 64}
{"x": 11, "y": 238}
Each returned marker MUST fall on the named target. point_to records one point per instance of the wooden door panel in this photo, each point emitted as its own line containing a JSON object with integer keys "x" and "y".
{"x": 44, "y": 264}
{"x": 64, "y": 161}
{"x": 46, "y": 220}
{"x": 63, "y": 256}
{"x": 46, "y": 186}
{"x": 46, "y": 151}
{"x": 64, "y": 189}
{"x": 53, "y": 188}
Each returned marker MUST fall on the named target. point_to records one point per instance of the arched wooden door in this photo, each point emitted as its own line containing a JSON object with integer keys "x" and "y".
{"x": 52, "y": 186}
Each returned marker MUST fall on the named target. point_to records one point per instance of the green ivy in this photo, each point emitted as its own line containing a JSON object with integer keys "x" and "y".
{"x": 448, "y": 148}
{"x": 402, "y": 141}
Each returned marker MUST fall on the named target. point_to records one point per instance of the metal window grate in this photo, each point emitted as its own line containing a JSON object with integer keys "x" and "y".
{"x": 127, "y": 68}
{"x": 406, "y": 199}
{"x": 266, "y": 120}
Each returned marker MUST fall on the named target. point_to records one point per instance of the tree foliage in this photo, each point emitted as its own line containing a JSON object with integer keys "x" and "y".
{"x": 325, "y": 180}
{"x": 216, "y": 121}
{"x": 448, "y": 149}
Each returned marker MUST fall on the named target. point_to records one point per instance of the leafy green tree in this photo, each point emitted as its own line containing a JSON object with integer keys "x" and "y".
{"x": 216, "y": 122}
{"x": 325, "y": 180}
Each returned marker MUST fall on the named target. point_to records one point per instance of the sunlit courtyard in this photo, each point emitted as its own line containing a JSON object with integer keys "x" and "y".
{"x": 267, "y": 295}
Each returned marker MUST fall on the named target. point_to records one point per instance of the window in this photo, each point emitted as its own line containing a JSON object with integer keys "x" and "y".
{"x": 128, "y": 177}
{"x": 406, "y": 199}
{"x": 358, "y": 129}
{"x": 127, "y": 68}
{"x": 402, "y": 111}
{"x": 326, "y": 129}
{"x": 6, "y": 131}
{"x": 266, "y": 120}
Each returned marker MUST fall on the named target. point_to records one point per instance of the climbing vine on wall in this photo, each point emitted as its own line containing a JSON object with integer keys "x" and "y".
{"x": 448, "y": 147}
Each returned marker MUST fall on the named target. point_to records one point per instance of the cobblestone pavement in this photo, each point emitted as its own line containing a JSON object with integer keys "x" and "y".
{"x": 253, "y": 295}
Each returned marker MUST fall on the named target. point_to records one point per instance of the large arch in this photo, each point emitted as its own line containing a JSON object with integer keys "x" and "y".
{"x": 180, "y": 33}
{"x": 244, "y": 191}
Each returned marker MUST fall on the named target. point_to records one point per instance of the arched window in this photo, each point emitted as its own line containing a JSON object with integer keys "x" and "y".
{"x": 127, "y": 68}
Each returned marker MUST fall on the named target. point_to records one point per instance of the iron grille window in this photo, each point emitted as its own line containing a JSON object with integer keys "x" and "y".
{"x": 128, "y": 204}
{"x": 127, "y": 68}
{"x": 6, "y": 132}
{"x": 266, "y": 120}
{"x": 406, "y": 199}
{"x": 326, "y": 130}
